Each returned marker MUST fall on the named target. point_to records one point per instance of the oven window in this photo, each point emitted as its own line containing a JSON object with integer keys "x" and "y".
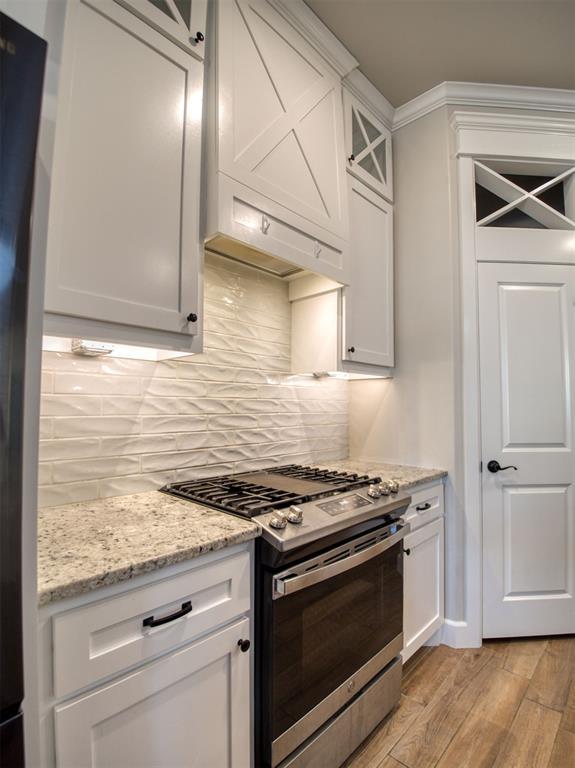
{"x": 324, "y": 633}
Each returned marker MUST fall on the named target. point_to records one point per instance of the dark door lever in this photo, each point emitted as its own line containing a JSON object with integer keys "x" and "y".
{"x": 495, "y": 466}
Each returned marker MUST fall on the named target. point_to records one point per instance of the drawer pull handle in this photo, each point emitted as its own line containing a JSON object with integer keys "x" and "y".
{"x": 150, "y": 621}
{"x": 423, "y": 507}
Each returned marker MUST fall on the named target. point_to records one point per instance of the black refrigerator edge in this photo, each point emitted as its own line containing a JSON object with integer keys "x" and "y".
{"x": 22, "y": 62}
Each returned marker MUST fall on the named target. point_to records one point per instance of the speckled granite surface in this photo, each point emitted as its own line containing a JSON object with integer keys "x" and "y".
{"x": 408, "y": 477}
{"x": 93, "y": 544}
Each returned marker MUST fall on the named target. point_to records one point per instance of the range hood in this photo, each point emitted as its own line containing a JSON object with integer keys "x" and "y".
{"x": 247, "y": 254}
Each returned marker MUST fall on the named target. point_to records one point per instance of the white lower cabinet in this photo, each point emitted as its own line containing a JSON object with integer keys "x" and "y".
{"x": 152, "y": 673}
{"x": 423, "y": 579}
{"x": 191, "y": 708}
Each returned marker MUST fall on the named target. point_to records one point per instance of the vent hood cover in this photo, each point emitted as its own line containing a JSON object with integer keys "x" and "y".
{"x": 247, "y": 254}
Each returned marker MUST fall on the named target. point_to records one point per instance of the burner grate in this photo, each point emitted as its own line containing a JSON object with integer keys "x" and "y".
{"x": 236, "y": 494}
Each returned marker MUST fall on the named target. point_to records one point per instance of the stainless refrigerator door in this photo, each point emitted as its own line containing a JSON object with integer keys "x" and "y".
{"x": 22, "y": 57}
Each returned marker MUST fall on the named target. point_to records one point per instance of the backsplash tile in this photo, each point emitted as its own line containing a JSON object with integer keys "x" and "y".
{"x": 117, "y": 426}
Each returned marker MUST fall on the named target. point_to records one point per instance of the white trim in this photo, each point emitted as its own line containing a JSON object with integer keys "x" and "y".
{"x": 456, "y": 634}
{"x": 471, "y": 403}
{"x": 300, "y": 16}
{"x": 484, "y": 95}
{"x": 364, "y": 90}
{"x": 508, "y": 135}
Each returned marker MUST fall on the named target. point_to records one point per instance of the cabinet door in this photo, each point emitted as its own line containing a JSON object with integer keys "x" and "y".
{"x": 280, "y": 115}
{"x": 368, "y": 147}
{"x": 368, "y": 301}
{"x": 123, "y": 240}
{"x": 423, "y": 598}
{"x": 181, "y": 20}
{"x": 191, "y": 708}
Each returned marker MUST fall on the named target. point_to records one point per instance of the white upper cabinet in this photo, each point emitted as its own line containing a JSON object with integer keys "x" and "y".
{"x": 279, "y": 165}
{"x": 368, "y": 147}
{"x": 184, "y": 21}
{"x": 124, "y": 250}
{"x": 368, "y": 300}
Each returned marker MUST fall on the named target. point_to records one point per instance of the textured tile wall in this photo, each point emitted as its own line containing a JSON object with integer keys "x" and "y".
{"x": 116, "y": 426}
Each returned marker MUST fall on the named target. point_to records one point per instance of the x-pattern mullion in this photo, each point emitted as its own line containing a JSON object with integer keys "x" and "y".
{"x": 370, "y": 145}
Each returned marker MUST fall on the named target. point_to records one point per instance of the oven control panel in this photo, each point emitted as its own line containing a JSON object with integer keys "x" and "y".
{"x": 346, "y": 504}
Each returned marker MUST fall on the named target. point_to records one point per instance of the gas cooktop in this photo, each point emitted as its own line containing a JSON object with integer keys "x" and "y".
{"x": 250, "y": 494}
{"x": 297, "y": 505}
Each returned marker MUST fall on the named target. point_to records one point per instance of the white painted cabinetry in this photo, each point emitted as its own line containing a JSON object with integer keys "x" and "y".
{"x": 368, "y": 146}
{"x": 123, "y": 248}
{"x": 276, "y": 159}
{"x": 368, "y": 301}
{"x": 190, "y": 708}
{"x": 349, "y": 330}
{"x": 423, "y": 604}
{"x": 119, "y": 692}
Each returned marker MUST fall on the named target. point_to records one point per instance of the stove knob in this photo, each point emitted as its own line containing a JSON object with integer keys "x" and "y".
{"x": 385, "y": 488}
{"x": 374, "y": 492}
{"x": 295, "y": 515}
{"x": 278, "y": 520}
{"x": 394, "y": 486}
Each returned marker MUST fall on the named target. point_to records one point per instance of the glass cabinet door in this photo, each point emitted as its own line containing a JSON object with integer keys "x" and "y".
{"x": 184, "y": 21}
{"x": 368, "y": 144}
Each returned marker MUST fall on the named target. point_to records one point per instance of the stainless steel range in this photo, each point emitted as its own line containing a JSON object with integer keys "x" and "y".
{"x": 329, "y": 605}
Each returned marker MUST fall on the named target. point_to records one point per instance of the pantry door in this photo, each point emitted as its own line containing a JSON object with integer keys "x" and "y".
{"x": 526, "y": 319}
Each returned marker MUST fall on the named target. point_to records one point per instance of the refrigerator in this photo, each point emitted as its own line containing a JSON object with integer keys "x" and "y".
{"x": 22, "y": 61}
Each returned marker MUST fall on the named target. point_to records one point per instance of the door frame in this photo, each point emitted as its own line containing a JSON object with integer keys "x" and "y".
{"x": 478, "y": 135}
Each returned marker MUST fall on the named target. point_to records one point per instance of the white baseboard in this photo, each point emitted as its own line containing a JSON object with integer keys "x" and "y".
{"x": 458, "y": 634}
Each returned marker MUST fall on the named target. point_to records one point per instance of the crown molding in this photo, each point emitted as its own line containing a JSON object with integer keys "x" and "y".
{"x": 484, "y": 95}
{"x": 364, "y": 90}
{"x": 317, "y": 34}
{"x": 509, "y": 134}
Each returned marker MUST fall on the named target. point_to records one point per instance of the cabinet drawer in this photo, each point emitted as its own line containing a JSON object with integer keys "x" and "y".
{"x": 246, "y": 218}
{"x": 107, "y": 637}
{"x": 426, "y": 505}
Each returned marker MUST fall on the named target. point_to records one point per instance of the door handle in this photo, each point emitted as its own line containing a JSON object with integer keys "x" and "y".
{"x": 495, "y": 466}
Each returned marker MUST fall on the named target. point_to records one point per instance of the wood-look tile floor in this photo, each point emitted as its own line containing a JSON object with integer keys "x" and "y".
{"x": 509, "y": 704}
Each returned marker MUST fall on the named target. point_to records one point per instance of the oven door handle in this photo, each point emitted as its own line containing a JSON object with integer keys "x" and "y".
{"x": 284, "y": 584}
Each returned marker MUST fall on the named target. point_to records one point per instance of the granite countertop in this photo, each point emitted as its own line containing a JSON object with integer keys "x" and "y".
{"x": 408, "y": 477}
{"x": 93, "y": 544}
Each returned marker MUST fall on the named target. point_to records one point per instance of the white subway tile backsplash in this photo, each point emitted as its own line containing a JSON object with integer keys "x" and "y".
{"x": 173, "y": 423}
{"x": 96, "y": 384}
{"x": 89, "y": 469}
{"x": 96, "y": 425}
{"x": 56, "y": 450}
{"x": 66, "y": 493}
{"x": 70, "y": 405}
{"x": 112, "y": 426}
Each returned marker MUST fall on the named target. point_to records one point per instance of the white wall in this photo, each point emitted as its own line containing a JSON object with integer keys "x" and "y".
{"x": 412, "y": 418}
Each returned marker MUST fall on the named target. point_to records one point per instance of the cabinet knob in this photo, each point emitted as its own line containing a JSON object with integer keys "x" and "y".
{"x": 407, "y": 551}
{"x": 244, "y": 645}
{"x": 192, "y": 317}
{"x": 199, "y": 38}
{"x": 351, "y": 158}
{"x": 351, "y": 349}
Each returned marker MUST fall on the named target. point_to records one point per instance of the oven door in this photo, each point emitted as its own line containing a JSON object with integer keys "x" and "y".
{"x": 336, "y": 621}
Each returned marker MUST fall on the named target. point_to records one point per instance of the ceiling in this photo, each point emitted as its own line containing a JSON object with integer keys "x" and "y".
{"x": 406, "y": 47}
